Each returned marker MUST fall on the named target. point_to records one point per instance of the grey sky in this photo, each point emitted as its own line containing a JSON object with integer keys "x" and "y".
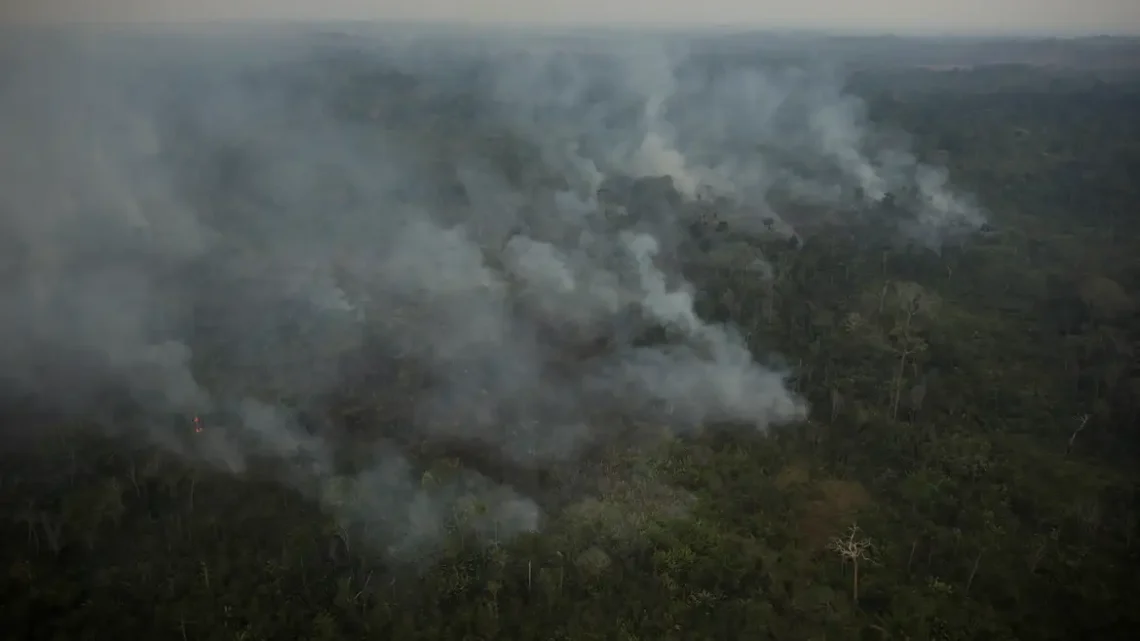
{"x": 1060, "y": 16}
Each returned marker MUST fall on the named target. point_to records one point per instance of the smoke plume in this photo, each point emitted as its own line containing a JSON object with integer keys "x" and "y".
{"x": 477, "y": 235}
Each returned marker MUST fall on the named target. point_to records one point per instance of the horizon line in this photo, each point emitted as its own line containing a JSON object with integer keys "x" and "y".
{"x": 522, "y": 26}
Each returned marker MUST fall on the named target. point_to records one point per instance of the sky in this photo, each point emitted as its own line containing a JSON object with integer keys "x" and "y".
{"x": 897, "y": 16}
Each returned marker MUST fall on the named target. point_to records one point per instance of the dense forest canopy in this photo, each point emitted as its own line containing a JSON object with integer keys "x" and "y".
{"x": 583, "y": 337}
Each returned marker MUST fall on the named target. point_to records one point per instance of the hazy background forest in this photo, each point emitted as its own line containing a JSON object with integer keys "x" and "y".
{"x": 338, "y": 333}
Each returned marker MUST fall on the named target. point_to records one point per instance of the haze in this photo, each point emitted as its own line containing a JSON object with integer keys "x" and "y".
{"x": 900, "y": 16}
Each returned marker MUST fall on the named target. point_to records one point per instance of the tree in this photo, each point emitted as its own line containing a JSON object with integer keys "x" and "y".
{"x": 907, "y": 302}
{"x": 852, "y": 549}
{"x": 1105, "y": 299}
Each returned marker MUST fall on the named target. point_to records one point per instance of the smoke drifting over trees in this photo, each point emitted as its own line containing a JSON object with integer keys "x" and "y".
{"x": 490, "y": 234}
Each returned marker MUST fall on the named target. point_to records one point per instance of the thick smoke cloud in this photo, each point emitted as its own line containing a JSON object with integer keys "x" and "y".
{"x": 243, "y": 228}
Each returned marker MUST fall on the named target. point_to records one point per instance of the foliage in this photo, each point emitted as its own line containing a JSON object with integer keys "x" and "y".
{"x": 974, "y": 415}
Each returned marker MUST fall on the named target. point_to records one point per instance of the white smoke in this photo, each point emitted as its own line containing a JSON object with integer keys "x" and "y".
{"x": 216, "y": 227}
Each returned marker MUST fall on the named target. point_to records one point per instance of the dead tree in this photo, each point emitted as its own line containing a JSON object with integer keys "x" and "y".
{"x": 852, "y": 548}
{"x": 1080, "y": 428}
